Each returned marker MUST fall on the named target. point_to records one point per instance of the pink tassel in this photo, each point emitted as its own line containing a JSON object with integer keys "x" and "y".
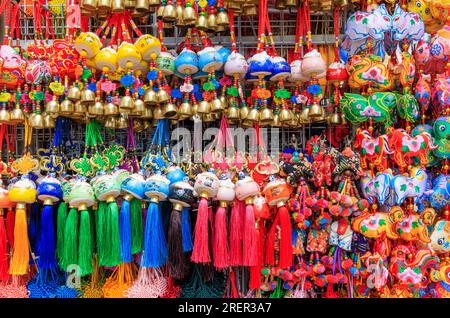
{"x": 4, "y": 251}
{"x": 200, "y": 251}
{"x": 236, "y": 233}
{"x": 250, "y": 242}
{"x": 220, "y": 245}
{"x": 285, "y": 260}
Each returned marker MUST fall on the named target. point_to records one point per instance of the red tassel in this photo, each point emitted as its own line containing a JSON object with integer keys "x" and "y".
{"x": 10, "y": 221}
{"x": 285, "y": 259}
{"x": 237, "y": 214}
{"x": 220, "y": 244}
{"x": 4, "y": 263}
{"x": 200, "y": 251}
{"x": 330, "y": 293}
{"x": 250, "y": 242}
{"x": 234, "y": 291}
{"x": 255, "y": 271}
{"x": 270, "y": 241}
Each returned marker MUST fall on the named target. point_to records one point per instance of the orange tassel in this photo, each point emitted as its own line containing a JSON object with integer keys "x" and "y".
{"x": 21, "y": 252}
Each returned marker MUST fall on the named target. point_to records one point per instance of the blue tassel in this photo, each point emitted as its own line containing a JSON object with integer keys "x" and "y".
{"x": 33, "y": 226}
{"x": 46, "y": 240}
{"x": 186, "y": 233}
{"x": 125, "y": 232}
{"x": 155, "y": 246}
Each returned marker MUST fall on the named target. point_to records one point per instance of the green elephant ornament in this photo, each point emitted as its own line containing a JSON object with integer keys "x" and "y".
{"x": 441, "y": 130}
{"x": 408, "y": 107}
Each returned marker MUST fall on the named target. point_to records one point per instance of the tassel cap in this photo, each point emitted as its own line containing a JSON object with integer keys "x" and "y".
{"x": 280, "y": 204}
{"x": 248, "y": 201}
{"x": 82, "y": 207}
{"x": 48, "y": 201}
{"x": 21, "y": 205}
{"x": 223, "y": 204}
{"x": 154, "y": 199}
{"x": 128, "y": 197}
{"x": 177, "y": 207}
{"x": 203, "y": 195}
{"x": 110, "y": 198}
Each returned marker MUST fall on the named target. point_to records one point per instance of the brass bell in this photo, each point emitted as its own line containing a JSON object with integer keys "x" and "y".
{"x": 17, "y": 116}
{"x": 290, "y": 3}
{"x": 96, "y": 109}
{"x": 280, "y": 4}
{"x": 315, "y": 111}
{"x": 126, "y": 102}
{"x": 139, "y": 107}
{"x": 222, "y": 19}
{"x": 217, "y": 106}
{"x": 169, "y": 110}
{"x": 335, "y": 119}
{"x": 66, "y": 108}
{"x": 247, "y": 123}
{"x": 194, "y": 109}
{"x": 138, "y": 14}
{"x": 294, "y": 121}
{"x": 157, "y": 113}
{"x": 207, "y": 118}
{"x": 88, "y": 4}
{"x": 162, "y": 96}
{"x": 138, "y": 126}
{"x": 189, "y": 16}
{"x": 104, "y": 5}
{"x": 87, "y": 96}
{"x": 224, "y": 101}
{"x": 202, "y": 22}
{"x": 117, "y": 6}
{"x": 211, "y": 22}
{"x": 185, "y": 110}
{"x": 344, "y": 120}
{"x": 250, "y": 11}
{"x": 253, "y": 115}
{"x": 233, "y": 113}
{"x": 169, "y": 13}
{"x": 129, "y": 4}
{"x": 321, "y": 118}
{"x": 160, "y": 11}
{"x": 150, "y": 97}
{"x": 52, "y": 107}
{"x": 111, "y": 109}
{"x": 80, "y": 109}
{"x": 154, "y": 3}
{"x": 74, "y": 93}
{"x": 37, "y": 121}
{"x": 49, "y": 121}
{"x": 122, "y": 123}
{"x": 110, "y": 122}
{"x": 179, "y": 22}
{"x": 4, "y": 116}
{"x": 276, "y": 121}
{"x": 266, "y": 116}
{"x": 142, "y": 6}
{"x": 147, "y": 114}
{"x": 147, "y": 124}
{"x": 285, "y": 115}
{"x": 204, "y": 107}
{"x": 304, "y": 116}
{"x": 244, "y": 112}
{"x": 125, "y": 110}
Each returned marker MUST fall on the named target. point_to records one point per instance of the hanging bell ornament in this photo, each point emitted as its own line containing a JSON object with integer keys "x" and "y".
{"x": 80, "y": 109}
{"x": 117, "y": 6}
{"x": 111, "y": 109}
{"x": 129, "y": 4}
{"x": 154, "y": 3}
{"x": 207, "y": 118}
{"x": 52, "y": 107}
{"x": 16, "y": 115}
{"x": 150, "y": 97}
{"x": 217, "y": 106}
{"x": 162, "y": 96}
{"x": 285, "y": 115}
{"x": 110, "y": 122}
{"x": 142, "y": 6}
{"x": 344, "y": 120}
{"x": 222, "y": 19}
{"x": 189, "y": 16}
{"x": 315, "y": 111}
{"x": 90, "y": 5}
{"x": 280, "y": 4}
{"x": 304, "y": 116}
{"x": 169, "y": 13}
{"x": 185, "y": 110}
{"x": 74, "y": 93}
{"x": 122, "y": 123}
{"x": 87, "y": 96}
{"x": 335, "y": 119}
{"x": 104, "y": 5}
{"x": 202, "y": 22}
{"x": 139, "y": 107}
{"x": 138, "y": 126}
{"x": 169, "y": 111}
{"x": 96, "y": 109}
{"x": 147, "y": 114}
{"x": 211, "y": 22}
{"x": 244, "y": 112}
{"x": 290, "y": 3}
{"x": 160, "y": 11}
{"x": 204, "y": 107}
{"x": 266, "y": 116}
{"x": 4, "y": 116}
{"x": 126, "y": 102}
{"x": 66, "y": 108}
{"x": 49, "y": 121}
{"x": 233, "y": 113}
{"x": 179, "y": 22}
{"x": 157, "y": 113}
{"x": 276, "y": 121}
{"x": 253, "y": 115}
{"x": 36, "y": 121}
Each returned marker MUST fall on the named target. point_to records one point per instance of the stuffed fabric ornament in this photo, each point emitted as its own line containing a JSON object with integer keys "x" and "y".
{"x": 409, "y": 187}
{"x": 441, "y": 128}
{"x": 440, "y": 237}
{"x": 440, "y": 196}
{"x": 377, "y": 224}
{"x": 414, "y": 227}
{"x": 373, "y": 150}
{"x": 369, "y": 69}
{"x": 12, "y": 67}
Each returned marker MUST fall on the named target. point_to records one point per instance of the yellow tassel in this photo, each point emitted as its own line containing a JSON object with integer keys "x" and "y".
{"x": 21, "y": 253}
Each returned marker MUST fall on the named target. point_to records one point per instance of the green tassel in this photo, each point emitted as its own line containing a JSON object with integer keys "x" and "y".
{"x": 100, "y": 218}
{"x": 85, "y": 250}
{"x": 92, "y": 223}
{"x": 69, "y": 252}
{"x": 60, "y": 227}
{"x": 137, "y": 231}
{"x": 113, "y": 236}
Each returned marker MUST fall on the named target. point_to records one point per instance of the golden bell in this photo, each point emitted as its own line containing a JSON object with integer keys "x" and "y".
{"x": 97, "y": 109}
{"x": 17, "y": 116}
{"x": 266, "y": 116}
{"x": 138, "y": 14}
{"x": 280, "y": 4}
{"x": 247, "y": 123}
{"x": 74, "y": 93}
{"x": 49, "y": 121}
{"x": 110, "y": 122}
{"x": 293, "y": 122}
{"x": 204, "y": 107}
{"x": 104, "y": 5}
{"x": 158, "y": 113}
{"x": 154, "y": 3}
{"x": 335, "y": 119}
{"x": 117, "y": 6}
{"x": 244, "y": 112}
{"x": 169, "y": 110}
{"x": 139, "y": 107}
{"x": 88, "y": 4}
{"x": 129, "y": 4}
{"x": 253, "y": 115}
{"x": 66, "y": 108}
{"x": 147, "y": 114}
{"x": 304, "y": 116}
{"x": 211, "y": 22}
{"x": 87, "y": 96}
{"x": 111, "y": 109}
{"x": 321, "y": 118}
{"x": 80, "y": 109}
{"x": 169, "y": 13}
{"x": 250, "y": 11}
{"x": 160, "y": 11}
{"x": 36, "y": 121}
{"x": 179, "y": 22}
{"x": 290, "y": 3}
{"x": 162, "y": 96}
{"x": 224, "y": 101}
{"x": 142, "y": 6}
{"x": 189, "y": 16}
{"x": 233, "y": 113}
{"x": 217, "y": 106}
{"x": 125, "y": 110}
{"x": 4, "y": 116}
{"x": 194, "y": 109}
{"x": 126, "y": 102}
{"x": 344, "y": 120}
{"x": 315, "y": 111}
{"x": 202, "y": 23}
{"x": 150, "y": 97}
{"x": 285, "y": 115}
{"x": 276, "y": 121}
{"x": 222, "y": 19}
{"x": 207, "y": 118}
{"x": 52, "y": 107}
{"x": 185, "y": 110}
{"x": 122, "y": 123}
